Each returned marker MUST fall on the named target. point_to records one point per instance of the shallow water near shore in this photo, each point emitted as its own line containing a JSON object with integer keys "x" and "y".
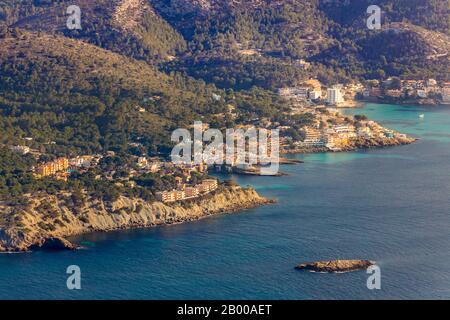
{"x": 389, "y": 205}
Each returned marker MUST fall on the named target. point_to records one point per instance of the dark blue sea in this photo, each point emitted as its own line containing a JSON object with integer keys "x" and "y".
{"x": 388, "y": 205}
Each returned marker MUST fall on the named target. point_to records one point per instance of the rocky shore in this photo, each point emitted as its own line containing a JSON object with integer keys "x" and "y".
{"x": 358, "y": 144}
{"x": 377, "y": 143}
{"x": 32, "y": 227}
{"x": 335, "y": 266}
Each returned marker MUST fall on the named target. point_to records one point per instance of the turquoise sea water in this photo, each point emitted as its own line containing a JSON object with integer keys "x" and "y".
{"x": 389, "y": 205}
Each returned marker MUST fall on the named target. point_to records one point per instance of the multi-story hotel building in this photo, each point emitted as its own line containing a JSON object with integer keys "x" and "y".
{"x": 334, "y": 96}
{"x": 207, "y": 186}
{"x": 166, "y": 196}
{"x": 191, "y": 192}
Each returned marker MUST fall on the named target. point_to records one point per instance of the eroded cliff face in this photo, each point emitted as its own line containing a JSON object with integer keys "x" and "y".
{"x": 51, "y": 217}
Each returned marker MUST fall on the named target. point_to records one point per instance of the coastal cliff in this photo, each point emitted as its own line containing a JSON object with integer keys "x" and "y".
{"x": 47, "y": 220}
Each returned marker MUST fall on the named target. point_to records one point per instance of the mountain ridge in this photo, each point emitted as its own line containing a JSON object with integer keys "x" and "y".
{"x": 201, "y": 38}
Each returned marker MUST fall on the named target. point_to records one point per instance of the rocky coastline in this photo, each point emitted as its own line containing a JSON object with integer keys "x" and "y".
{"x": 359, "y": 144}
{"x": 33, "y": 229}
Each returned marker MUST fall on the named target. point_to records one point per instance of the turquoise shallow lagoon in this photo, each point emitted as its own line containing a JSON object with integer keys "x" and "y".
{"x": 390, "y": 205}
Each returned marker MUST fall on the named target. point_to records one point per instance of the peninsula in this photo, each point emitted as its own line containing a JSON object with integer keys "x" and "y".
{"x": 28, "y": 227}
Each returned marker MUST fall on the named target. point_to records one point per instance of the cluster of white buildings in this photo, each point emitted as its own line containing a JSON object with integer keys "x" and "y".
{"x": 421, "y": 89}
{"x": 21, "y": 149}
{"x": 312, "y": 91}
{"x": 85, "y": 162}
{"x": 332, "y": 137}
{"x": 338, "y": 136}
{"x": 426, "y": 89}
{"x": 339, "y": 95}
{"x": 164, "y": 168}
{"x": 300, "y": 93}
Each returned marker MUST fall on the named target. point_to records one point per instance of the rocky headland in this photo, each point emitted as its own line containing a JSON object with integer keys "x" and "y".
{"x": 357, "y": 144}
{"x": 46, "y": 221}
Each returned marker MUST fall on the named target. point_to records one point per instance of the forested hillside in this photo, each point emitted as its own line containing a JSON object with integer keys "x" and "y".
{"x": 70, "y": 96}
{"x": 79, "y": 95}
{"x": 129, "y": 27}
{"x": 241, "y": 44}
{"x": 430, "y": 14}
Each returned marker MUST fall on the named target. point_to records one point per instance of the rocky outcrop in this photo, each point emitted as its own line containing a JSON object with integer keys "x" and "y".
{"x": 336, "y": 266}
{"x": 48, "y": 220}
{"x": 357, "y": 144}
{"x": 55, "y": 244}
{"x": 379, "y": 143}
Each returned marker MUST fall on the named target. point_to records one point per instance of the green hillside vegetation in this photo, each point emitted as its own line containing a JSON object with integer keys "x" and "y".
{"x": 398, "y": 50}
{"x": 139, "y": 34}
{"x": 78, "y": 95}
{"x": 430, "y": 14}
{"x": 332, "y": 34}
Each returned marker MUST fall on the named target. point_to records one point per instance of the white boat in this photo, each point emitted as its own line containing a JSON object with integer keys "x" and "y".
{"x": 422, "y": 116}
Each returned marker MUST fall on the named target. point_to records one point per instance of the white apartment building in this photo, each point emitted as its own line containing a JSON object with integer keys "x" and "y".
{"x": 315, "y": 94}
{"x": 313, "y": 138}
{"x": 334, "y": 96}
